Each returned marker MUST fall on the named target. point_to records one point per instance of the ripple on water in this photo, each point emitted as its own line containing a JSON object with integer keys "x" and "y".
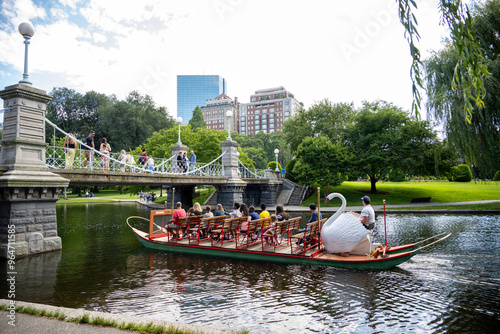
{"x": 449, "y": 287}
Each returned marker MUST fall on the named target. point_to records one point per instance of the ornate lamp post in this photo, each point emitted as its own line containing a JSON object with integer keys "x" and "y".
{"x": 276, "y": 151}
{"x": 27, "y": 30}
{"x": 229, "y": 114}
{"x": 179, "y": 120}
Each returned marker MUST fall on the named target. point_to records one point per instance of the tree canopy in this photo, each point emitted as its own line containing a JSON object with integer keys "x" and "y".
{"x": 322, "y": 118}
{"x": 321, "y": 161}
{"x": 385, "y": 138}
{"x": 470, "y": 68}
{"x": 125, "y": 124}
{"x": 197, "y": 121}
{"x": 476, "y": 136}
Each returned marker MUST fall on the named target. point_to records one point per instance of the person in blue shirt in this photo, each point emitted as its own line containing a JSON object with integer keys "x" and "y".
{"x": 252, "y": 213}
{"x": 314, "y": 216}
{"x": 192, "y": 160}
{"x": 314, "y": 213}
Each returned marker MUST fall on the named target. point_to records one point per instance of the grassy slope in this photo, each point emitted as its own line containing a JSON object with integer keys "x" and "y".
{"x": 403, "y": 192}
{"x": 481, "y": 207}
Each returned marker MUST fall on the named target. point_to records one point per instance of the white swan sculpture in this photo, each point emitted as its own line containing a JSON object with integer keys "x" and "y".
{"x": 344, "y": 233}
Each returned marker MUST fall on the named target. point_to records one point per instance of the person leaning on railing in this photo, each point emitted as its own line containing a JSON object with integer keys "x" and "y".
{"x": 70, "y": 149}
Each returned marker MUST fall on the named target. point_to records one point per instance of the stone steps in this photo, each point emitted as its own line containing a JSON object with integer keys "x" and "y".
{"x": 283, "y": 197}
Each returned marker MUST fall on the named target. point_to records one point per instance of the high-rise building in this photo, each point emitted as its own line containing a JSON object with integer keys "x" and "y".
{"x": 214, "y": 113}
{"x": 195, "y": 90}
{"x": 268, "y": 110}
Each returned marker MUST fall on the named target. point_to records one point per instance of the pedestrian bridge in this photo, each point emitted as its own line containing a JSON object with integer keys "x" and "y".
{"x": 81, "y": 167}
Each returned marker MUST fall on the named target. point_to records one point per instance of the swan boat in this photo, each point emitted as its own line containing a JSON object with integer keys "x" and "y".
{"x": 222, "y": 237}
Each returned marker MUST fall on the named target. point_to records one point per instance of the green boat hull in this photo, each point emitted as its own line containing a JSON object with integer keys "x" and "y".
{"x": 380, "y": 264}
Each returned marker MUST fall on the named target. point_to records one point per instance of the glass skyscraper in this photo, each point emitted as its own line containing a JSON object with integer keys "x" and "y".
{"x": 195, "y": 90}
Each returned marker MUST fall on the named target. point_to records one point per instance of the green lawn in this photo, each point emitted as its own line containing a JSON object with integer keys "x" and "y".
{"x": 403, "y": 192}
{"x": 481, "y": 207}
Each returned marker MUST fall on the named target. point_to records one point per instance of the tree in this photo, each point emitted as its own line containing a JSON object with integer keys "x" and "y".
{"x": 130, "y": 123}
{"x": 385, "y": 138}
{"x": 476, "y": 136}
{"x": 323, "y": 118}
{"x": 265, "y": 143}
{"x": 258, "y": 156}
{"x": 197, "y": 121}
{"x": 470, "y": 68}
{"x": 74, "y": 112}
{"x": 321, "y": 161}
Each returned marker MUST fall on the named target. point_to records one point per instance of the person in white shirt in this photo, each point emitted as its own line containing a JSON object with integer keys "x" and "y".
{"x": 367, "y": 216}
{"x": 236, "y": 210}
{"x": 151, "y": 164}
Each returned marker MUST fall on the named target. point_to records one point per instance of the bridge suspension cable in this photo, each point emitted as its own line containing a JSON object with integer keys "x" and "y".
{"x": 57, "y": 159}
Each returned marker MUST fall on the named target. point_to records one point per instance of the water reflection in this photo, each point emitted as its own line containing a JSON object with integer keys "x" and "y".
{"x": 451, "y": 287}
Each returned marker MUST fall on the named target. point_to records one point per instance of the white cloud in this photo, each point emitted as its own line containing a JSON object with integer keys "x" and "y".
{"x": 4, "y": 74}
{"x": 99, "y": 38}
{"x": 17, "y": 11}
{"x": 59, "y": 13}
{"x": 70, "y": 3}
{"x": 253, "y": 44}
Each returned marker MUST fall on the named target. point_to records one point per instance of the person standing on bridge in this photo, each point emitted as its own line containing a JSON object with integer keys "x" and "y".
{"x": 89, "y": 153}
{"x": 192, "y": 161}
{"x": 179, "y": 161}
{"x": 184, "y": 163}
{"x": 105, "y": 149}
{"x": 70, "y": 149}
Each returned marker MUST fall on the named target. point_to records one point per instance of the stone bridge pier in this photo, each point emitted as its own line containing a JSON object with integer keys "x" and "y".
{"x": 28, "y": 191}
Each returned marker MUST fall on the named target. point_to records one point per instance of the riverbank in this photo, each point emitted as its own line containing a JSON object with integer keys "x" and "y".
{"x": 40, "y": 318}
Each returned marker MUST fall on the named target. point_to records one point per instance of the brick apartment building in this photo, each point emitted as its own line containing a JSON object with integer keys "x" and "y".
{"x": 267, "y": 110}
{"x": 214, "y": 113}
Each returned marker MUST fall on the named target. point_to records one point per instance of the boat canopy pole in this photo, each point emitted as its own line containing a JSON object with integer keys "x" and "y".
{"x": 163, "y": 217}
{"x": 385, "y": 229}
{"x": 173, "y": 196}
{"x": 319, "y": 220}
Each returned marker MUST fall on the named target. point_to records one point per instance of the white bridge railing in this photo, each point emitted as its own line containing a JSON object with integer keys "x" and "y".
{"x": 245, "y": 172}
{"x": 63, "y": 158}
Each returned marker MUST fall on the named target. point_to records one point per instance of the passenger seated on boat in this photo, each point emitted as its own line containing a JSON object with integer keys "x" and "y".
{"x": 268, "y": 231}
{"x": 197, "y": 209}
{"x": 254, "y": 215}
{"x": 178, "y": 213}
{"x": 281, "y": 214}
{"x": 244, "y": 214}
{"x": 236, "y": 210}
{"x": 208, "y": 212}
{"x": 264, "y": 213}
{"x": 191, "y": 212}
{"x": 220, "y": 211}
{"x": 314, "y": 216}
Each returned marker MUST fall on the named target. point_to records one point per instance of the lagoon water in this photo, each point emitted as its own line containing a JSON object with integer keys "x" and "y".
{"x": 450, "y": 287}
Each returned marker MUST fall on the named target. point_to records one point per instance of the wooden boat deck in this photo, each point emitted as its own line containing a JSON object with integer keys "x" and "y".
{"x": 231, "y": 244}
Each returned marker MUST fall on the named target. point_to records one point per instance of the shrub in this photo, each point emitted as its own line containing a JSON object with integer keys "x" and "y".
{"x": 289, "y": 170}
{"x": 462, "y": 173}
{"x": 272, "y": 165}
{"x": 497, "y": 176}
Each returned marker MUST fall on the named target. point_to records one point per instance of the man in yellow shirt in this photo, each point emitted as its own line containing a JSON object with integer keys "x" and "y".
{"x": 264, "y": 213}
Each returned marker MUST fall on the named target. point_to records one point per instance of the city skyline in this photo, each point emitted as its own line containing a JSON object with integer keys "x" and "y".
{"x": 346, "y": 52}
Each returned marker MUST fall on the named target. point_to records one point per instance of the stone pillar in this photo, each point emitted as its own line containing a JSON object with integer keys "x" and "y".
{"x": 183, "y": 194}
{"x": 28, "y": 191}
{"x": 175, "y": 151}
{"x": 233, "y": 190}
{"x": 270, "y": 192}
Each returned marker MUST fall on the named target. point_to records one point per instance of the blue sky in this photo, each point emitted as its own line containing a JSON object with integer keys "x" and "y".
{"x": 346, "y": 51}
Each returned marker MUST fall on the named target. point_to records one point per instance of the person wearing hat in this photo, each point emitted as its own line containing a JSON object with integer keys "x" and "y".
{"x": 367, "y": 216}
